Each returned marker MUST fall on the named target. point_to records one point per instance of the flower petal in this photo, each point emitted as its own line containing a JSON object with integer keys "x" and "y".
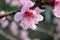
{"x": 15, "y": 3}
{"x": 24, "y": 2}
{"x": 25, "y": 8}
{"x": 27, "y": 2}
{"x": 4, "y": 23}
{"x": 57, "y": 0}
{"x": 23, "y": 34}
{"x": 2, "y": 12}
{"x": 18, "y": 16}
{"x": 30, "y": 4}
{"x": 24, "y": 24}
{"x": 33, "y": 26}
{"x": 38, "y": 18}
{"x": 38, "y": 10}
{"x": 14, "y": 28}
{"x": 56, "y": 11}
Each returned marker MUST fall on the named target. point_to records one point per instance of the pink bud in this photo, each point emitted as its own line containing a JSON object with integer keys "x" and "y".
{"x": 23, "y": 34}
{"x": 13, "y": 28}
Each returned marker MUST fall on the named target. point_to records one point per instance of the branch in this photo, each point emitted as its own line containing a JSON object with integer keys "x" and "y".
{"x": 7, "y": 14}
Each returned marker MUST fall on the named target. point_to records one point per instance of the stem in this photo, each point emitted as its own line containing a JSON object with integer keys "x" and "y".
{"x": 7, "y": 14}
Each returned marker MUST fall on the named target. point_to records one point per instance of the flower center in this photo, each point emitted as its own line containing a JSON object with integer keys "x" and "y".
{"x": 29, "y": 14}
{"x": 57, "y": 2}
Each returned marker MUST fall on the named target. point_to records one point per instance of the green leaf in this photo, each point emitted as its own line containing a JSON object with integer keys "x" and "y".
{"x": 48, "y": 11}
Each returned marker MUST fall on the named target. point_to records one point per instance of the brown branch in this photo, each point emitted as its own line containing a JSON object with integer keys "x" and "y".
{"x": 7, "y": 14}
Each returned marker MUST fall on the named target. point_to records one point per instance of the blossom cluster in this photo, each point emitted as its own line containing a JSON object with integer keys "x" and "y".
{"x": 27, "y": 17}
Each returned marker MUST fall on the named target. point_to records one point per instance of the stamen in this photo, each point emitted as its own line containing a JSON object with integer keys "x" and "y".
{"x": 29, "y": 14}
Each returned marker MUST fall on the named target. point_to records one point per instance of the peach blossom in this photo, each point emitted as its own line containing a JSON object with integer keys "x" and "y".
{"x": 14, "y": 28}
{"x": 28, "y": 17}
{"x": 56, "y": 9}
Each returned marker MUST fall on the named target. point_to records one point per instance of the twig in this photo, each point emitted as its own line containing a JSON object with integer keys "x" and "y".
{"x": 7, "y": 14}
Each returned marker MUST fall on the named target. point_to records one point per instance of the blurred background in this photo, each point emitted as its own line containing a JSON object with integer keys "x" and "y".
{"x": 48, "y": 29}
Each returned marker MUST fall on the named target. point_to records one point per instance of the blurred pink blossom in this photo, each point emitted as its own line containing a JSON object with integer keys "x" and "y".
{"x": 24, "y": 35}
{"x": 28, "y": 17}
{"x": 26, "y": 2}
{"x": 3, "y": 21}
{"x": 13, "y": 2}
{"x": 57, "y": 22}
{"x": 14, "y": 28}
{"x": 56, "y": 9}
{"x": 7, "y": 1}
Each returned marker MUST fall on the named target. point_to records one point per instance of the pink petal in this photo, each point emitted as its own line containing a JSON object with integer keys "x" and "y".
{"x": 18, "y": 16}
{"x": 33, "y": 26}
{"x": 26, "y": 2}
{"x": 56, "y": 11}
{"x": 23, "y": 34}
{"x": 24, "y": 24}
{"x": 7, "y": 1}
{"x": 14, "y": 28}
{"x": 57, "y": 0}
{"x": 30, "y": 4}
{"x": 4, "y": 23}
{"x": 2, "y": 12}
{"x": 15, "y": 3}
{"x": 1, "y": 20}
{"x": 38, "y": 18}
{"x": 25, "y": 8}
{"x": 38, "y": 10}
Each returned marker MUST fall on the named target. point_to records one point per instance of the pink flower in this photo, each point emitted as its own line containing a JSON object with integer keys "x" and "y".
{"x": 14, "y": 28}
{"x": 26, "y": 2}
{"x": 3, "y": 21}
{"x": 13, "y": 2}
{"x": 56, "y": 9}
{"x": 7, "y": 1}
{"x": 28, "y": 17}
{"x": 24, "y": 35}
